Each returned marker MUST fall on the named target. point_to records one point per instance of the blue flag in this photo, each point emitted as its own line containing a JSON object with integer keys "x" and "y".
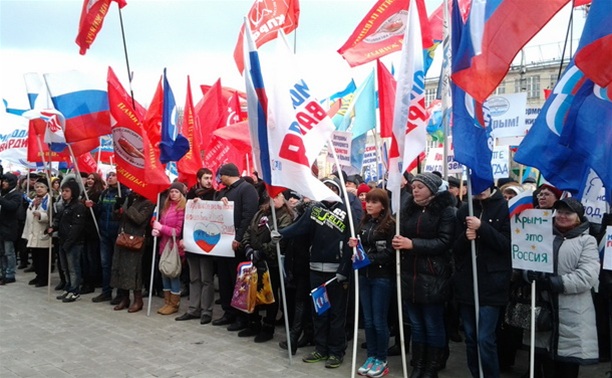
{"x": 471, "y": 125}
{"x": 360, "y": 260}
{"x": 173, "y": 145}
{"x": 573, "y": 132}
{"x": 320, "y": 299}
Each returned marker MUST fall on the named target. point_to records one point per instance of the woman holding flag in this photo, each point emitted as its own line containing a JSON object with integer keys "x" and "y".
{"x": 376, "y": 281}
{"x": 426, "y": 233}
{"x": 36, "y": 225}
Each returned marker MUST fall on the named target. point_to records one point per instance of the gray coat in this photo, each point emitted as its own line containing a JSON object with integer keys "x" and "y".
{"x": 574, "y": 336}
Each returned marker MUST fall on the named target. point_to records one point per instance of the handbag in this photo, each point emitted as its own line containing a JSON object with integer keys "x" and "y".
{"x": 130, "y": 242}
{"x": 518, "y": 310}
{"x": 170, "y": 260}
{"x": 265, "y": 295}
{"x": 244, "y": 297}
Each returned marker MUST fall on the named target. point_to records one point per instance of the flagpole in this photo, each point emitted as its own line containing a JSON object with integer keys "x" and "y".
{"x": 355, "y": 272}
{"x": 127, "y": 61}
{"x": 398, "y": 285}
{"x": 80, "y": 182}
{"x": 474, "y": 272}
{"x": 446, "y": 94}
{"x": 153, "y": 260}
{"x": 281, "y": 271}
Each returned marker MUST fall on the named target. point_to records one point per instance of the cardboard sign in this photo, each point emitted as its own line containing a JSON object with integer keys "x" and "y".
{"x": 209, "y": 228}
{"x": 532, "y": 240}
{"x": 342, "y": 141}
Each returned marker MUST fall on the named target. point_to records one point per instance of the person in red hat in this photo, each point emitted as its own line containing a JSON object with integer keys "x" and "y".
{"x": 362, "y": 190}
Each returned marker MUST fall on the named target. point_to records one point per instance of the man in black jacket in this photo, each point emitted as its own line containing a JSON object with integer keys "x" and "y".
{"x": 246, "y": 199}
{"x": 10, "y": 201}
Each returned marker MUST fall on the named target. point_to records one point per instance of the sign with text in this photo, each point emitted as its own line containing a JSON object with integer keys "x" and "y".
{"x": 435, "y": 156}
{"x": 342, "y": 144}
{"x": 532, "y": 240}
{"x": 507, "y": 114}
{"x": 500, "y": 161}
{"x": 209, "y": 228}
{"x": 607, "y": 260}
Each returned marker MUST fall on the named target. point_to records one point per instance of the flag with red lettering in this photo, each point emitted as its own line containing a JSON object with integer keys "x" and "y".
{"x": 288, "y": 137}
{"x": 86, "y": 163}
{"x": 13, "y": 137}
{"x": 386, "y": 98}
{"x": 381, "y": 32}
{"x": 494, "y": 33}
{"x": 92, "y": 18}
{"x": 131, "y": 143}
{"x": 189, "y": 164}
{"x": 265, "y": 18}
{"x": 409, "y": 113}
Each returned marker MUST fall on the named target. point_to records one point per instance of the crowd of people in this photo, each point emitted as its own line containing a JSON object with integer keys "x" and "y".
{"x": 81, "y": 218}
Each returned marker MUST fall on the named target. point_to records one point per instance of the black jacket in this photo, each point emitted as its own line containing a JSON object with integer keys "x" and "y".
{"x": 246, "y": 204}
{"x": 70, "y": 224}
{"x": 10, "y": 202}
{"x": 426, "y": 268}
{"x": 377, "y": 245}
{"x": 494, "y": 263}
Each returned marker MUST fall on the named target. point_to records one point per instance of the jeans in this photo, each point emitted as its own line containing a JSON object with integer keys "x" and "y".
{"x": 172, "y": 284}
{"x": 375, "y": 296}
{"x": 107, "y": 247}
{"x": 487, "y": 341}
{"x": 8, "y": 261}
{"x": 201, "y": 286}
{"x": 329, "y": 333}
{"x": 72, "y": 263}
{"x": 427, "y": 323}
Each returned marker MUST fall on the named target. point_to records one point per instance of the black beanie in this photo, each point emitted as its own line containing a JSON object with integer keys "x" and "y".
{"x": 229, "y": 169}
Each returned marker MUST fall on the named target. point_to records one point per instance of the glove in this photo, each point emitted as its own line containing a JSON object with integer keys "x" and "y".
{"x": 529, "y": 276}
{"x": 341, "y": 278}
{"x": 275, "y": 237}
{"x": 554, "y": 284}
{"x": 157, "y": 226}
{"x": 253, "y": 254}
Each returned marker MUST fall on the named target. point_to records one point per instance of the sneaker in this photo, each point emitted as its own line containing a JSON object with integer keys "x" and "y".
{"x": 63, "y": 295}
{"x": 71, "y": 297}
{"x": 367, "y": 365}
{"x": 333, "y": 362}
{"x": 314, "y": 357}
{"x": 379, "y": 369}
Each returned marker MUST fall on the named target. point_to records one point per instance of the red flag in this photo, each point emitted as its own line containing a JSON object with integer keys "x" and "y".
{"x": 37, "y": 127}
{"x": 189, "y": 164}
{"x": 233, "y": 99}
{"x": 386, "y": 99}
{"x": 266, "y": 17}
{"x": 92, "y": 18}
{"x": 220, "y": 152}
{"x": 154, "y": 169}
{"x": 211, "y": 113}
{"x": 131, "y": 143}
{"x": 436, "y": 19}
{"x": 381, "y": 32}
{"x": 238, "y": 134}
{"x": 86, "y": 163}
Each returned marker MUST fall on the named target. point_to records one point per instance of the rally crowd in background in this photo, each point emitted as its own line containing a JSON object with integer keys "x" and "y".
{"x": 435, "y": 236}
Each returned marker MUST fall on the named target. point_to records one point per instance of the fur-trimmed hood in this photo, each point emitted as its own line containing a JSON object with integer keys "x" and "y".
{"x": 441, "y": 201}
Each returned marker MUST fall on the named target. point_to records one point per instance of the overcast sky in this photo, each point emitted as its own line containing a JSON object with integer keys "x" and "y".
{"x": 195, "y": 37}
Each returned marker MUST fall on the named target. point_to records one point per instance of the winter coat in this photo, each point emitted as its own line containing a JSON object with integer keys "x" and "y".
{"x": 135, "y": 216}
{"x": 34, "y": 230}
{"x": 257, "y": 234}
{"x": 426, "y": 268}
{"x": 494, "y": 264}
{"x": 10, "y": 201}
{"x": 574, "y": 335}
{"x": 108, "y": 217}
{"x": 70, "y": 224}
{"x": 377, "y": 245}
{"x": 172, "y": 221}
{"x": 246, "y": 203}
{"x": 327, "y": 225}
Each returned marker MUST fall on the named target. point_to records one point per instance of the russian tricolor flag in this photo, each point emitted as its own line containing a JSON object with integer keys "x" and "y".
{"x": 83, "y": 101}
{"x": 523, "y": 201}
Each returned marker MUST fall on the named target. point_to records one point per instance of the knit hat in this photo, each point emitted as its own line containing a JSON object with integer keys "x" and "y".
{"x": 454, "y": 182}
{"x": 558, "y": 193}
{"x": 571, "y": 204}
{"x": 333, "y": 182}
{"x": 229, "y": 169}
{"x": 430, "y": 180}
{"x": 178, "y": 186}
{"x": 363, "y": 188}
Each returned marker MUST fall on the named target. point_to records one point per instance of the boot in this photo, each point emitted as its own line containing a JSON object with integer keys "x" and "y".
{"x": 266, "y": 333}
{"x": 173, "y": 306}
{"x": 164, "y": 308}
{"x": 396, "y": 348}
{"x": 137, "y": 305}
{"x": 418, "y": 360}
{"x": 434, "y": 360}
{"x": 253, "y": 328}
{"x": 125, "y": 303}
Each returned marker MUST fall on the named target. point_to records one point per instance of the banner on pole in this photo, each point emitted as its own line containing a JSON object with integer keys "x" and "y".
{"x": 500, "y": 161}
{"x": 532, "y": 240}
{"x": 507, "y": 114}
{"x": 342, "y": 141}
{"x": 435, "y": 156}
{"x": 607, "y": 260}
{"x": 209, "y": 228}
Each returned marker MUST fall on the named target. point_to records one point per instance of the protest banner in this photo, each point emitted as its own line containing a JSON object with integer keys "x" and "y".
{"x": 209, "y": 228}
{"x": 500, "y": 161}
{"x": 342, "y": 144}
{"x": 507, "y": 114}
{"x": 433, "y": 161}
{"x": 607, "y": 260}
{"x": 532, "y": 240}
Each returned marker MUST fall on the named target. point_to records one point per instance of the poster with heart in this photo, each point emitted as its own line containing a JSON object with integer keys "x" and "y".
{"x": 209, "y": 228}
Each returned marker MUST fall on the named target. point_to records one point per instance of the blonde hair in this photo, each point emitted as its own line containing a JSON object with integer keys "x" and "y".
{"x": 179, "y": 206}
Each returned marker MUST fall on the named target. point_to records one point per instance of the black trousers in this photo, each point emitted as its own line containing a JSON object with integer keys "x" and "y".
{"x": 329, "y": 333}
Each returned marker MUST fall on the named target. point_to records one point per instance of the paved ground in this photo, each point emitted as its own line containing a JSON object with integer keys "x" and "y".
{"x": 42, "y": 337}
